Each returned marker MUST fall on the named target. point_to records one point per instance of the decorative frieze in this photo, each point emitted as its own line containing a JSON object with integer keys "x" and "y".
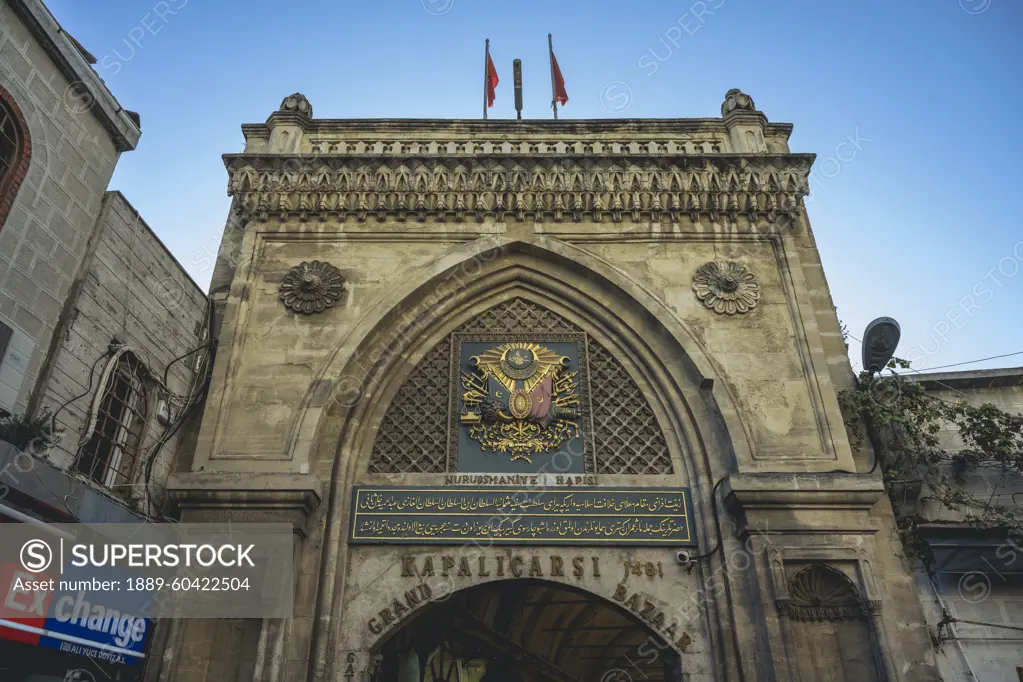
{"x": 569, "y": 189}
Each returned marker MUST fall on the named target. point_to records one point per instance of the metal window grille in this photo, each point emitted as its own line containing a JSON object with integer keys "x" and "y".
{"x": 10, "y": 141}
{"x": 110, "y": 454}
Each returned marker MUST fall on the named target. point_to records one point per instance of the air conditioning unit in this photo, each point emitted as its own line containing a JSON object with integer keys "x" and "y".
{"x": 16, "y": 349}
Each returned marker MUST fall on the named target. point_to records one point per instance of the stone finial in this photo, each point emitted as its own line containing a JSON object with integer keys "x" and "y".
{"x": 298, "y": 104}
{"x": 737, "y": 100}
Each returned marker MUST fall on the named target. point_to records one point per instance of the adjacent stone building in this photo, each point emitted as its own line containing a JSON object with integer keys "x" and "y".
{"x": 61, "y": 133}
{"x": 104, "y": 338}
{"x": 135, "y": 325}
{"x": 973, "y": 590}
{"x": 543, "y": 400}
{"x": 122, "y": 380}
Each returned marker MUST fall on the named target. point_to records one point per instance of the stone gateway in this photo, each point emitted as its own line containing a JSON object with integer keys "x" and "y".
{"x": 544, "y": 401}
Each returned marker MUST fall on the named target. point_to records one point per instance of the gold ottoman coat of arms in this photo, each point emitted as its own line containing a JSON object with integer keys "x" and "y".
{"x": 520, "y": 399}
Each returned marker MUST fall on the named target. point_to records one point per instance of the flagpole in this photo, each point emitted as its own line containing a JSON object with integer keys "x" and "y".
{"x": 550, "y": 54}
{"x": 486, "y": 78}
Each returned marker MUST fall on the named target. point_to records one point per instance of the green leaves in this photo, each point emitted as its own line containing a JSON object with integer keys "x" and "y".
{"x": 920, "y": 436}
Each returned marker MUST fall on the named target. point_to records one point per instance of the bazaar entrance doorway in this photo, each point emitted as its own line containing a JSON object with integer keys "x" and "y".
{"x": 526, "y": 631}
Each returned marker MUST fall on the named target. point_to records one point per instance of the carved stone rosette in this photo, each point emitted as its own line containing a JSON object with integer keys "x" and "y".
{"x": 726, "y": 287}
{"x": 312, "y": 287}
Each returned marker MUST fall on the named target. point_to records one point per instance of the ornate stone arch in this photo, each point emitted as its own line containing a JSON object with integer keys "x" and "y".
{"x": 339, "y": 417}
{"x": 411, "y": 318}
{"x": 515, "y": 609}
{"x": 832, "y": 621}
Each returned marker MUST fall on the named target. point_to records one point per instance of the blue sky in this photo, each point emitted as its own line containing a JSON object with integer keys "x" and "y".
{"x": 917, "y": 220}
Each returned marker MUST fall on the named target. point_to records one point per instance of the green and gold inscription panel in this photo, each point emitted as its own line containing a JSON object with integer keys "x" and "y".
{"x": 519, "y": 515}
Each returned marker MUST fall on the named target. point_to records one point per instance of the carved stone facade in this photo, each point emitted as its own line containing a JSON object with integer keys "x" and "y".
{"x": 561, "y": 184}
{"x": 520, "y": 245}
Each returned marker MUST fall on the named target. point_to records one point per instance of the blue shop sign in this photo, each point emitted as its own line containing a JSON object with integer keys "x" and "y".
{"x": 106, "y": 624}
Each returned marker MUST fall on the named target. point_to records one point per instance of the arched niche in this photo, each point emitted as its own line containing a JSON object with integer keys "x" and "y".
{"x": 832, "y": 629}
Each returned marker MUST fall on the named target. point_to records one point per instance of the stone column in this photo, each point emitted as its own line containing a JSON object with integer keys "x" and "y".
{"x": 235, "y": 648}
{"x": 873, "y": 608}
{"x": 785, "y": 620}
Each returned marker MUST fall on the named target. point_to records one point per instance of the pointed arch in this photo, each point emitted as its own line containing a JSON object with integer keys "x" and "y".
{"x": 337, "y": 420}
{"x": 407, "y": 321}
{"x": 506, "y": 622}
{"x": 627, "y": 437}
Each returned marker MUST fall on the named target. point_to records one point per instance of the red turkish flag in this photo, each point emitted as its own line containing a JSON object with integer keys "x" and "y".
{"x": 492, "y": 81}
{"x": 559, "y": 83}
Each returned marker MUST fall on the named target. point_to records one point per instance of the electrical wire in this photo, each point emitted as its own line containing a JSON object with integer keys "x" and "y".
{"x": 717, "y": 523}
{"x": 875, "y": 444}
{"x": 182, "y": 357}
{"x": 1003, "y": 626}
{"x": 944, "y": 611}
{"x": 954, "y": 364}
{"x": 88, "y": 390}
{"x": 202, "y": 385}
{"x": 968, "y": 362}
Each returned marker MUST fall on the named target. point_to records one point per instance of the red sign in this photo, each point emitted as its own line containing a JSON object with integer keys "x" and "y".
{"x": 22, "y": 604}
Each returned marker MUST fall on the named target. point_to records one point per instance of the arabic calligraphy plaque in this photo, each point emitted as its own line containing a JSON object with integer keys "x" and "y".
{"x": 452, "y": 515}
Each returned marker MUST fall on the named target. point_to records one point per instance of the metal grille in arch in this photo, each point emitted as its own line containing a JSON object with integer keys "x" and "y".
{"x": 414, "y": 436}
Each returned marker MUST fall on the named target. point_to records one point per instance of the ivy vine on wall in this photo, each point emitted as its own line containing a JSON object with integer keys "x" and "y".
{"x": 905, "y": 423}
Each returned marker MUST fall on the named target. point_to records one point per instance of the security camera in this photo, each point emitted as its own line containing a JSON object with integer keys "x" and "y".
{"x": 684, "y": 558}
